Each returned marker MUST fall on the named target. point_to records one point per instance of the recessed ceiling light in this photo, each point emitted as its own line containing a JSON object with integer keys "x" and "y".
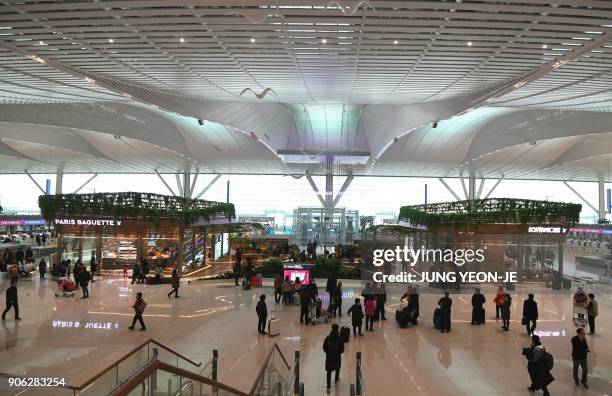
{"x": 545, "y": 46}
{"x": 182, "y": 40}
{"x": 252, "y": 39}
{"x": 324, "y": 41}
{"x": 469, "y": 43}
{"x": 395, "y": 41}
{"x": 111, "y": 41}
{"x": 41, "y": 42}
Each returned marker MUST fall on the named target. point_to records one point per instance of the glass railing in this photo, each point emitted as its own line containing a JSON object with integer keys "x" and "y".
{"x": 275, "y": 377}
{"x": 166, "y": 380}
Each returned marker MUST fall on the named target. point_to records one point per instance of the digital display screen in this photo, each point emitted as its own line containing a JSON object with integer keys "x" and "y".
{"x": 302, "y": 274}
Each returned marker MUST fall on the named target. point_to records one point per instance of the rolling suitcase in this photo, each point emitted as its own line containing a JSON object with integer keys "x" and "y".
{"x": 345, "y": 333}
{"x": 437, "y": 319}
{"x": 272, "y": 325}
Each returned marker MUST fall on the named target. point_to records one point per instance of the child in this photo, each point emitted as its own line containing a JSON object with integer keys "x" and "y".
{"x": 370, "y": 311}
{"x": 262, "y": 314}
{"x": 356, "y": 312}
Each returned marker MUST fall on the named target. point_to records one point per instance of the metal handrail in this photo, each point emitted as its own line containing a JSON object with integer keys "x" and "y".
{"x": 116, "y": 363}
{"x": 126, "y": 388}
{"x": 262, "y": 370}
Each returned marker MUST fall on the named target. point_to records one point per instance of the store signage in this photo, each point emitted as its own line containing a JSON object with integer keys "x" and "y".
{"x": 89, "y": 222}
{"x": 547, "y": 230}
{"x": 21, "y": 222}
{"x": 587, "y": 230}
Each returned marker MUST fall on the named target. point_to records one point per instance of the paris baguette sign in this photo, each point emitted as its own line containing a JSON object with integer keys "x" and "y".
{"x": 89, "y": 222}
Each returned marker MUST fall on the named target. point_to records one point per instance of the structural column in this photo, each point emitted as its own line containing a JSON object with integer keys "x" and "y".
{"x": 59, "y": 181}
{"x": 472, "y": 185}
{"x": 602, "y": 199}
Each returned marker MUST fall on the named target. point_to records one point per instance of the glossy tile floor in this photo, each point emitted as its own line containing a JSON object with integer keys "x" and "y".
{"x": 470, "y": 360}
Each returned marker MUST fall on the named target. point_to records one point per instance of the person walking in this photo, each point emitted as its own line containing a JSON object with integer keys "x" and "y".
{"x": 337, "y": 299}
{"x": 287, "y": 288}
{"x": 76, "y": 271}
{"x": 478, "y": 299}
{"x": 592, "y": 312}
{"x": 139, "y": 307}
{"x": 506, "y": 312}
{"x": 278, "y": 288}
{"x": 356, "y": 312}
{"x": 499, "y": 301}
{"x": 304, "y": 304}
{"x": 370, "y": 312}
{"x": 42, "y": 268}
{"x": 530, "y": 314}
{"x": 44, "y": 238}
{"x": 330, "y": 287}
{"x": 125, "y": 271}
{"x": 136, "y": 273}
{"x": 445, "y": 304}
{"x": 84, "y": 278}
{"x": 333, "y": 348}
{"x": 176, "y": 283}
{"x": 11, "y": 301}
{"x": 262, "y": 314}
{"x": 381, "y": 300}
{"x": 93, "y": 266}
{"x": 580, "y": 349}
{"x": 539, "y": 363}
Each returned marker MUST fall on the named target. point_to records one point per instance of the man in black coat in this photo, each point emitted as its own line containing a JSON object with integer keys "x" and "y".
{"x": 538, "y": 373}
{"x": 11, "y": 301}
{"x": 477, "y": 310}
{"x": 332, "y": 283}
{"x": 94, "y": 268}
{"x": 333, "y": 348}
{"x": 305, "y": 300}
{"x": 262, "y": 314}
{"x": 445, "y": 304}
{"x": 580, "y": 349}
{"x": 530, "y": 314}
{"x": 356, "y": 312}
{"x": 84, "y": 278}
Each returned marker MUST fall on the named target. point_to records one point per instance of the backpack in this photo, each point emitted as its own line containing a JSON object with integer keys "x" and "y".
{"x": 547, "y": 360}
{"x": 13, "y": 271}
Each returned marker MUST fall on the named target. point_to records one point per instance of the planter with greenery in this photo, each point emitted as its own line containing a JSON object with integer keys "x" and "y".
{"x": 132, "y": 205}
{"x": 492, "y": 211}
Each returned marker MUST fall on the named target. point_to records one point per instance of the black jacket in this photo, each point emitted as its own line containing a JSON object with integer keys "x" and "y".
{"x": 538, "y": 373}
{"x": 530, "y": 309}
{"x": 11, "y": 295}
{"x": 579, "y": 348}
{"x": 84, "y": 277}
{"x": 505, "y": 309}
{"x": 445, "y": 304}
{"x": 332, "y": 282}
{"x": 356, "y": 312}
{"x": 477, "y": 300}
{"x": 261, "y": 309}
{"x": 333, "y": 348}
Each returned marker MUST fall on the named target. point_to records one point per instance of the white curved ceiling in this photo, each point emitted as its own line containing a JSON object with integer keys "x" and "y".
{"x": 519, "y": 88}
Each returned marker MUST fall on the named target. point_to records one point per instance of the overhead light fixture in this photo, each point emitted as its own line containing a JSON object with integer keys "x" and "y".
{"x": 469, "y": 43}
{"x": 111, "y": 41}
{"x": 201, "y": 122}
{"x": 324, "y": 41}
{"x": 252, "y": 39}
{"x": 395, "y": 41}
{"x": 182, "y": 40}
{"x": 41, "y": 42}
{"x": 544, "y": 46}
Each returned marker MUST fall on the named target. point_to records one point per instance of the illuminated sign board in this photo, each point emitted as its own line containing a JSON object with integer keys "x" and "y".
{"x": 22, "y": 222}
{"x": 89, "y": 222}
{"x": 547, "y": 230}
{"x": 587, "y": 230}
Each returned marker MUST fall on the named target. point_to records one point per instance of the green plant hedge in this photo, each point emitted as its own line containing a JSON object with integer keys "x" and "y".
{"x": 492, "y": 211}
{"x": 132, "y": 205}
